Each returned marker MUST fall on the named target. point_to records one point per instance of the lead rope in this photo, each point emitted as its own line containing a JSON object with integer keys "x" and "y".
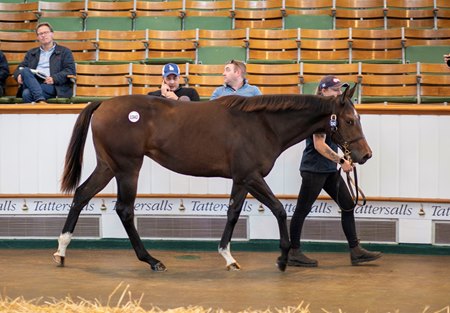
{"x": 351, "y": 182}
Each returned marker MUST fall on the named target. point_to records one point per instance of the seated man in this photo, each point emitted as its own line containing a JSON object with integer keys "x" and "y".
{"x": 4, "y": 72}
{"x": 170, "y": 87}
{"x": 235, "y": 82}
{"x": 44, "y": 70}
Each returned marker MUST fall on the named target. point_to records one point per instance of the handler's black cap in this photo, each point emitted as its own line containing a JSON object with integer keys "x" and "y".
{"x": 331, "y": 81}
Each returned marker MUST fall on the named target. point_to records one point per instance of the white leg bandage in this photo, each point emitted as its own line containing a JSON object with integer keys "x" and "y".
{"x": 226, "y": 253}
{"x": 63, "y": 242}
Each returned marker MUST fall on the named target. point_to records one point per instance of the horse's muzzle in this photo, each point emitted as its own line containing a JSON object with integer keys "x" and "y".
{"x": 364, "y": 158}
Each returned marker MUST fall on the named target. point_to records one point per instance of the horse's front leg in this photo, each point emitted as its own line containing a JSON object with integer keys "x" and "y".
{"x": 83, "y": 194}
{"x": 127, "y": 187}
{"x": 237, "y": 198}
{"x": 258, "y": 187}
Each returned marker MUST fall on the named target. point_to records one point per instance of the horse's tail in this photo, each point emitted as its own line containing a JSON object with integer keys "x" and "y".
{"x": 74, "y": 155}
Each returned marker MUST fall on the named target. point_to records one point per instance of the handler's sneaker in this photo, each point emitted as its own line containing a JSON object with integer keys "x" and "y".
{"x": 360, "y": 255}
{"x": 297, "y": 258}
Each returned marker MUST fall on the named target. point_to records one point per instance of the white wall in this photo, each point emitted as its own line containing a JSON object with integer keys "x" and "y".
{"x": 410, "y": 160}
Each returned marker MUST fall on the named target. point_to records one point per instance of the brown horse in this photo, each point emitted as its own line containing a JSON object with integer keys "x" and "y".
{"x": 233, "y": 137}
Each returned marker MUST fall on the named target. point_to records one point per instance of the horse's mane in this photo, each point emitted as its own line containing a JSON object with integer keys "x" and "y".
{"x": 270, "y": 103}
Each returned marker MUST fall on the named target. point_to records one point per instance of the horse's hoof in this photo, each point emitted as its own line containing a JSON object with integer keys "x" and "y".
{"x": 281, "y": 264}
{"x": 59, "y": 260}
{"x": 233, "y": 267}
{"x": 158, "y": 267}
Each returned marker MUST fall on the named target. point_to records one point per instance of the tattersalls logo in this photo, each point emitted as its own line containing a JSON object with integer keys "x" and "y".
{"x": 321, "y": 208}
{"x": 208, "y": 206}
{"x": 53, "y": 206}
{"x": 440, "y": 211}
{"x": 7, "y": 206}
{"x": 385, "y": 210}
{"x": 152, "y": 206}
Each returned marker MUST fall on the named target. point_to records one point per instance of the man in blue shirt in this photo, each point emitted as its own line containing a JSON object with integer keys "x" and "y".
{"x": 43, "y": 73}
{"x": 235, "y": 82}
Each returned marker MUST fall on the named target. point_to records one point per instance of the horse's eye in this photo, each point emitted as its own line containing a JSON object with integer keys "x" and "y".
{"x": 350, "y": 122}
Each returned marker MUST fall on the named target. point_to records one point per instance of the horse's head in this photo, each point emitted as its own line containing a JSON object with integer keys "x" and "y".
{"x": 346, "y": 130}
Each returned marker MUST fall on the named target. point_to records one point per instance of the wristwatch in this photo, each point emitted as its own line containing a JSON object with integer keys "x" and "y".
{"x": 342, "y": 161}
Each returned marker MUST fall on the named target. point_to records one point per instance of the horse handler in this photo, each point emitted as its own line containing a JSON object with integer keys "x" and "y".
{"x": 318, "y": 171}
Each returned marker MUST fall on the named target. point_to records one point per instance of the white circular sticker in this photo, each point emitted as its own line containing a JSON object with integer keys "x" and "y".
{"x": 133, "y": 116}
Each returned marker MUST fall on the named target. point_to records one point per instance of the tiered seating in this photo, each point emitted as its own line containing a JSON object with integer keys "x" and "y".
{"x": 61, "y": 9}
{"x": 208, "y": 14}
{"x": 109, "y": 15}
{"x": 18, "y": 16}
{"x": 65, "y": 16}
{"x": 273, "y": 46}
{"x": 258, "y": 14}
{"x": 220, "y": 46}
{"x": 443, "y": 14}
{"x": 166, "y": 46}
{"x": 307, "y": 7}
{"x": 97, "y": 82}
{"x": 328, "y": 46}
{"x": 379, "y": 83}
{"x": 426, "y": 45}
{"x": 378, "y": 45}
{"x": 434, "y": 83}
{"x": 204, "y": 78}
{"x": 121, "y": 46}
{"x": 396, "y": 45}
{"x": 227, "y": 14}
{"x": 317, "y": 14}
{"x": 15, "y": 44}
{"x": 427, "y": 37}
{"x": 275, "y": 79}
{"x": 360, "y": 13}
{"x": 82, "y": 44}
{"x": 389, "y": 83}
{"x": 262, "y": 33}
{"x": 411, "y": 13}
{"x": 158, "y": 15}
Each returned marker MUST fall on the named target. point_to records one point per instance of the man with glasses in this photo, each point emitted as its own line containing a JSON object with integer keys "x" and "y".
{"x": 318, "y": 170}
{"x": 235, "y": 82}
{"x": 43, "y": 73}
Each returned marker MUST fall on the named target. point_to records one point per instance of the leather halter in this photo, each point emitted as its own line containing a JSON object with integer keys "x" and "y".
{"x": 335, "y": 134}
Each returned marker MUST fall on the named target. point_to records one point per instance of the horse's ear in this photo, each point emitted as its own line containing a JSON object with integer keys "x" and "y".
{"x": 348, "y": 93}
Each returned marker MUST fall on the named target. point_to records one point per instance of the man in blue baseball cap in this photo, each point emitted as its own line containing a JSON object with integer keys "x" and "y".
{"x": 170, "y": 87}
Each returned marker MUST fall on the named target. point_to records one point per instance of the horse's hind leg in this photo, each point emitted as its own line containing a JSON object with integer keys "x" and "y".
{"x": 99, "y": 178}
{"x": 258, "y": 187}
{"x": 127, "y": 187}
{"x": 237, "y": 198}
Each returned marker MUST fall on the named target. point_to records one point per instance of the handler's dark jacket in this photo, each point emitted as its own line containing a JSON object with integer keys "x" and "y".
{"x": 61, "y": 65}
{"x": 4, "y": 72}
